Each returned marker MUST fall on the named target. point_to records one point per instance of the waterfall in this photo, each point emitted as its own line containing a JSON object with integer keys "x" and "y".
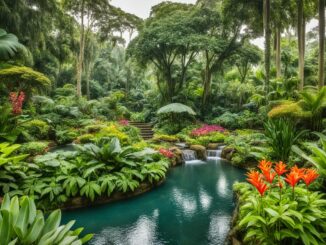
{"x": 215, "y": 154}
{"x": 189, "y": 155}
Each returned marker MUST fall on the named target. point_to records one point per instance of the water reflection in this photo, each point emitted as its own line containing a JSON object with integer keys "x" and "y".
{"x": 193, "y": 207}
{"x": 186, "y": 203}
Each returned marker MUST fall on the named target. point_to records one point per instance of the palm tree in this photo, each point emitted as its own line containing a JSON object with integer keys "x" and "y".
{"x": 9, "y": 45}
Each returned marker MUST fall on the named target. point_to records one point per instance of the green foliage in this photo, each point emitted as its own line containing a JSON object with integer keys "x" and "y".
{"x": 317, "y": 155}
{"x": 34, "y": 148}
{"x": 24, "y": 79}
{"x": 164, "y": 137}
{"x": 9, "y": 45}
{"x": 7, "y": 154}
{"x": 22, "y": 223}
{"x": 176, "y": 108}
{"x": 35, "y": 129}
{"x": 281, "y": 136}
{"x": 9, "y": 130}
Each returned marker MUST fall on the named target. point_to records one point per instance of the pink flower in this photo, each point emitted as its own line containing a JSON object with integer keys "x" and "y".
{"x": 124, "y": 122}
{"x": 207, "y": 129}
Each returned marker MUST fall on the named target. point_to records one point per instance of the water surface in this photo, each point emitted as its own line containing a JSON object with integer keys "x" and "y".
{"x": 193, "y": 207}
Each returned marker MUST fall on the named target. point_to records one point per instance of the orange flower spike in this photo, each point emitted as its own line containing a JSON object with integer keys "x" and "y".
{"x": 253, "y": 177}
{"x": 269, "y": 176}
{"x": 261, "y": 187}
{"x": 309, "y": 176}
{"x": 293, "y": 177}
{"x": 298, "y": 171}
{"x": 265, "y": 165}
{"x": 280, "y": 168}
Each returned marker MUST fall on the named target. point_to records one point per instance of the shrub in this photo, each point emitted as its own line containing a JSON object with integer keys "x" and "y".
{"x": 85, "y": 138}
{"x": 207, "y": 129}
{"x": 34, "y": 148}
{"x": 37, "y": 129}
{"x": 114, "y": 131}
{"x": 287, "y": 109}
{"x": 165, "y": 137}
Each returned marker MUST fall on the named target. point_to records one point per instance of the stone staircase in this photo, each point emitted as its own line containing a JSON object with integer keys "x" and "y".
{"x": 146, "y": 129}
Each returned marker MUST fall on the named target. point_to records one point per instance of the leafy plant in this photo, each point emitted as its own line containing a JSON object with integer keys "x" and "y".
{"x": 277, "y": 214}
{"x": 21, "y": 223}
{"x": 6, "y": 152}
{"x": 281, "y": 136}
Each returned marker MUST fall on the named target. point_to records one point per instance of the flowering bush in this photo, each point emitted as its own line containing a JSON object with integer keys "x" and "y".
{"x": 166, "y": 153}
{"x": 17, "y": 101}
{"x": 124, "y": 122}
{"x": 277, "y": 214}
{"x": 207, "y": 129}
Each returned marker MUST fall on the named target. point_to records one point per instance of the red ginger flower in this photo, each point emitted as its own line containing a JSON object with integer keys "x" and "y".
{"x": 255, "y": 178}
{"x": 261, "y": 187}
{"x": 309, "y": 176}
{"x": 269, "y": 176}
{"x": 280, "y": 168}
{"x": 17, "y": 102}
{"x": 294, "y": 176}
{"x": 265, "y": 165}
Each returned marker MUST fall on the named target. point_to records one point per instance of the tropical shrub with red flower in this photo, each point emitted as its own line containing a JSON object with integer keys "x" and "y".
{"x": 17, "y": 100}
{"x": 167, "y": 153}
{"x": 277, "y": 206}
{"x": 207, "y": 129}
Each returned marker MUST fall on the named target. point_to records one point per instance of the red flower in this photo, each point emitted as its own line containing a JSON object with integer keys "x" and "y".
{"x": 265, "y": 165}
{"x": 269, "y": 176}
{"x": 280, "y": 168}
{"x": 261, "y": 187}
{"x": 17, "y": 102}
{"x": 166, "y": 153}
{"x": 309, "y": 176}
{"x": 294, "y": 176}
{"x": 254, "y": 177}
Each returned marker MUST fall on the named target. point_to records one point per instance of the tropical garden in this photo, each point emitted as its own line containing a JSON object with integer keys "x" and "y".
{"x": 99, "y": 105}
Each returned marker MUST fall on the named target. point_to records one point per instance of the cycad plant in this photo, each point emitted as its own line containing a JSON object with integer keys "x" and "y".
{"x": 313, "y": 101}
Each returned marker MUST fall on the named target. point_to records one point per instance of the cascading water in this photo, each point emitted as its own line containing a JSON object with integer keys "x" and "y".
{"x": 215, "y": 154}
{"x": 189, "y": 155}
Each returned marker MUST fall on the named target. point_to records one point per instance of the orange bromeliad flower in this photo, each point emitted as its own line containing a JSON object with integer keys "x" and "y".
{"x": 254, "y": 177}
{"x": 280, "y": 168}
{"x": 269, "y": 176}
{"x": 309, "y": 176}
{"x": 265, "y": 165}
{"x": 261, "y": 187}
{"x": 294, "y": 176}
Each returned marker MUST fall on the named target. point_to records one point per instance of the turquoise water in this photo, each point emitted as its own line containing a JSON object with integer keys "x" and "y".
{"x": 194, "y": 206}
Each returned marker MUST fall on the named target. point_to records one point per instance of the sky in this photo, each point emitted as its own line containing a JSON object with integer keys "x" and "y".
{"x": 142, "y": 9}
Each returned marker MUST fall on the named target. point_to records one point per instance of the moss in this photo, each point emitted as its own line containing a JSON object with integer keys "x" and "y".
{"x": 165, "y": 137}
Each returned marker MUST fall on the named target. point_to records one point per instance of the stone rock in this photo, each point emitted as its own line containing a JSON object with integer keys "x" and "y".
{"x": 200, "y": 151}
{"x": 227, "y": 153}
{"x": 178, "y": 156}
{"x": 213, "y": 146}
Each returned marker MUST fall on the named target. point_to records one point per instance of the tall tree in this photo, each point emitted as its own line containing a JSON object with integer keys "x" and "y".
{"x": 301, "y": 41}
{"x": 87, "y": 12}
{"x": 321, "y": 76}
{"x": 267, "y": 34}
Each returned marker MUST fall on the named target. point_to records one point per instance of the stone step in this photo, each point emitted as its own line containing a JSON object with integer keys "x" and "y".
{"x": 146, "y": 129}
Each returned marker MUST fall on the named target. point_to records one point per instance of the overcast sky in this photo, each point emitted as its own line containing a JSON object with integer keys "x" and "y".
{"x": 142, "y": 9}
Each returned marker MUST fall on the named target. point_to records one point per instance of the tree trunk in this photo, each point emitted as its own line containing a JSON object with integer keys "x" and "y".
{"x": 278, "y": 52}
{"x": 81, "y": 51}
{"x": 267, "y": 30}
{"x": 207, "y": 81}
{"x": 321, "y": 75}
{"x": 301, "y": 42}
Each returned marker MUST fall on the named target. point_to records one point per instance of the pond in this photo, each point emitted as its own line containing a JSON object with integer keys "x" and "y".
{"x": 194, "y": 206}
